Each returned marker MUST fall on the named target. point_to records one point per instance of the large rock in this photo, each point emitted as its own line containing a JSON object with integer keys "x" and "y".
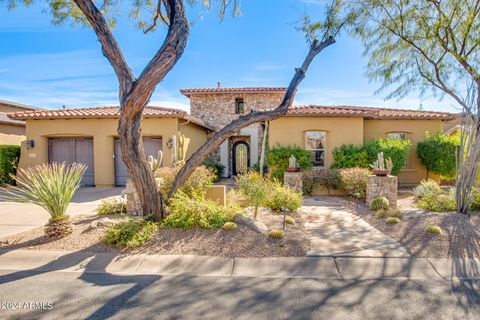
{"x": 102, "y": 223}
{"x": 251, "y": 223}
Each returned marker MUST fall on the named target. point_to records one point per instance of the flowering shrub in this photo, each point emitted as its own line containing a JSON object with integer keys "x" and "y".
{"x": 354, "y": 181}
{"x": 195, "y": 186}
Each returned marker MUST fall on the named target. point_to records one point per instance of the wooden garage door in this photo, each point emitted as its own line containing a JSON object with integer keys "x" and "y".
{"x": 72, "y": 150}
{"x": 151, "y": 147}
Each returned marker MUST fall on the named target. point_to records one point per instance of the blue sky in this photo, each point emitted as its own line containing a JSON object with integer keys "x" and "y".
{"x": 50, "y": 66}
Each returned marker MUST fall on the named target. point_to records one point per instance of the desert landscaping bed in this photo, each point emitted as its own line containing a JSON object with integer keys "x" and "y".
{"x": 241, "y": 242}
{"x": 460, "y": 237}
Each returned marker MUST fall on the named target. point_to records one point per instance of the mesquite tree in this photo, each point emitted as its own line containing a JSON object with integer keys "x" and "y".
{"x": 135, "y": 92}
{"x": 428, "y": 45}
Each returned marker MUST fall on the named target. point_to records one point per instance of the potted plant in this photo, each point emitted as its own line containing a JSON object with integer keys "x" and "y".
{"x": 382, "y": 167}
{"x": 292, "y": 164}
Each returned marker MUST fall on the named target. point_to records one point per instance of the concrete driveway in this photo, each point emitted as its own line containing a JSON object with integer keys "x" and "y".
{"x": 20, "y": 217}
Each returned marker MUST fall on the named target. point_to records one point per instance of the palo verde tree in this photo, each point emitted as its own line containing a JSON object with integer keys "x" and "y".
{"x": 136, "y": 91}
{"x": 428, "y": 46}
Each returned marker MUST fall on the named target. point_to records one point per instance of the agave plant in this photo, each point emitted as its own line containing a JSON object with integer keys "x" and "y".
{"x": 50, "y": 186}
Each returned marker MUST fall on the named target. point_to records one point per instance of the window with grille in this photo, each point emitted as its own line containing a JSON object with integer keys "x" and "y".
{"x": 315, "y": 142}
{"x": 239, "y": 106}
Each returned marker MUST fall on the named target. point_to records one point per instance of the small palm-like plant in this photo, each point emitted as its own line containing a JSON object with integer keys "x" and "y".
{"x": 50, "y": 186}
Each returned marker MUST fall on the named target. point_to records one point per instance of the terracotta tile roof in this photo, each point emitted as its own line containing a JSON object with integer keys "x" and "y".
{"x": 104, "y": 113}
{"x": 4, "y": 119}
{"x": 189, "y": 92}
{"x": 368, "y": 113}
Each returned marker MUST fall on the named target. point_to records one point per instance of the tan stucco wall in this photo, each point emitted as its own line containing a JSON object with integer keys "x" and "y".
{"x": 291, "y": 131}
{"x": 11, "y": 134}
{"x": 416, "y": 132}
{"x": 195, "y": 137}
{"x": 103, "y": 132}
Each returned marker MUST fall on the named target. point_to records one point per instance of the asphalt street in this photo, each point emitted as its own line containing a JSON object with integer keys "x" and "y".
{"x": 75, "y": 295}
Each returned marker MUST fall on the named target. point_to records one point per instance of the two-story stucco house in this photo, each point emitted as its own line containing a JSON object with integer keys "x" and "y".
{"x": 89, "y": 135}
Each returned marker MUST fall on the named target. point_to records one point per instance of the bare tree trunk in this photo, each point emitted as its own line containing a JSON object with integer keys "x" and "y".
{"x": 264, "y": 145}
{"x": 469, "y": 153}
{"x": 135, "y": 93}
{"x": 229, "y": 130}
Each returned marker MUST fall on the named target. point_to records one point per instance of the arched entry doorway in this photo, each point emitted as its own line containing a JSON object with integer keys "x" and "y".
{"x": 240, "y": 157}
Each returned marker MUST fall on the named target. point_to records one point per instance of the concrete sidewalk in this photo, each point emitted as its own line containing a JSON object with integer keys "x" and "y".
{"x": 20, "y": 217}
{"x": 287, "y": 267}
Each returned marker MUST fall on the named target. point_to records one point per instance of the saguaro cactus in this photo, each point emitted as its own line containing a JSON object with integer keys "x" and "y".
{"x": 155, "y": 163}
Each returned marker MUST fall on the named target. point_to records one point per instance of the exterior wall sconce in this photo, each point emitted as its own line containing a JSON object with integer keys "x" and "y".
{"x": 171, "y": 142}
{"x": 30, "y": 143}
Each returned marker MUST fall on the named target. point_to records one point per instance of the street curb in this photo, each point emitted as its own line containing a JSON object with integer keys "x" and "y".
{"x": 347, "y": 268}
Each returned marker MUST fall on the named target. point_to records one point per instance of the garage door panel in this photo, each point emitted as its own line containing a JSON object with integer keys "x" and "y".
{"x": 70, "y": 150}
{"x": 151, "y": 147}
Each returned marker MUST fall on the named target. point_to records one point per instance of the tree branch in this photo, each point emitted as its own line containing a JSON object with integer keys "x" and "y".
{"x": 110, "y": 48}
{"x": 229, "y": 130}
{"x": 164, "y": 60}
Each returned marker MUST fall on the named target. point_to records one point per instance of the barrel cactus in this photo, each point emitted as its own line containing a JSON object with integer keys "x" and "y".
{"x": 379, "y": 203}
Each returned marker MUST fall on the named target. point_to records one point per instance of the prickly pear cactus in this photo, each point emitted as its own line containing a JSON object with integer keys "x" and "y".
{"x": 379, "y": 203}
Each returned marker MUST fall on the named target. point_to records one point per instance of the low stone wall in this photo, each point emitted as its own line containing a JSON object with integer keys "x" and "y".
{"x": 322, "y": 191}
{"x": 293, "y": 180}
{"x": 382, "y": 187}
{"x": 216, "y": 193}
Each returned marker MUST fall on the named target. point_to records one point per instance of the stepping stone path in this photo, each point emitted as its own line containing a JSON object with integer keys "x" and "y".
{"x": 336, "y": 232}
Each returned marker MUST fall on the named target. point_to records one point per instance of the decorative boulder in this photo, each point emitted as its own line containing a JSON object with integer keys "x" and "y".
{"x": 251, "y": 223}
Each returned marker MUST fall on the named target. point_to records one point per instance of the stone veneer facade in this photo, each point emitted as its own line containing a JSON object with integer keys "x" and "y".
{"x": 218, "y": 110}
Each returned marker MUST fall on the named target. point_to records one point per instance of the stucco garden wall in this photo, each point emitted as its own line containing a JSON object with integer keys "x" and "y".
{"x": 103, "y": 132}
{"x": 415, "y": 171}
{"x": 291, "y": 131}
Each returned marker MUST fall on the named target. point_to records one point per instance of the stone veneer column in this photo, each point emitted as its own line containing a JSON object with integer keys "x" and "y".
{"x": 293, "y": 180}
{"x": 382, "y": 187}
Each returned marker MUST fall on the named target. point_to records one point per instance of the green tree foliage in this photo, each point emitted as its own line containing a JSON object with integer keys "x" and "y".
{"x": 361, "y": 156}
{"x": 254, "y": 187}
{"x": 278, "y": 159}
{"x": 350, "y": 156}
{"x": 9, "y": 156}
{"x": 438, "y": 154}
{"x": 395, "y": 149}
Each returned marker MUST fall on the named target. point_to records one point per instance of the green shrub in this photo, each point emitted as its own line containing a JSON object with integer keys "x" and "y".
{"x": 426, "y": 188}
{"x": 277, "y": 234}
{"x": 112, "y": 205}
{"x": 195, "y": 186}
{"x": 440, "y": 202}
{"x": 130, "y": 234}
{"x": 354, "y": 181}
{"x": 256, "y": 168}
{"x": 326, "y": 178}
{"x": 389, "y": 212}
{"x": 254, "y": 188}
{"x": 289, "y": 220}
{"x": 392, "y": 220}
{"x": 216, "y": 167}
{"x": 433, "y": 229}
{"x": 187, "y": 212}
{"x": 237, "y": 198}
{"x": 9, "y": 156}
{"x": 280, "y": 197}
{"x": 395, "y": 149}
{"x": 278, "y": 160}
{"x": 379, "y": 203}
{"x": 229, "y": 226}
{"x": 438, "y": 154}
{"x": 350, "y": 156}
{"x": 475, "y": 204}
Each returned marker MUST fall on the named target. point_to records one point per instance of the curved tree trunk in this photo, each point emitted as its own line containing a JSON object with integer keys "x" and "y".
{"x": 135, "y": 93}
{"x": 229, "y": 130}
